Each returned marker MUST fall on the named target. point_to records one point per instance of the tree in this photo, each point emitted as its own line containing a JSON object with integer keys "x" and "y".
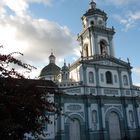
{"x": 9, "y": 72}
{"x": 23, "y": 102}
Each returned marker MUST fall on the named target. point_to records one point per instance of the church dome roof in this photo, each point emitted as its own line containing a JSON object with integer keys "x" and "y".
{"x": 65, "y": 67}
{"x": 50, "y": 69}
{"x": 93, "y": 11}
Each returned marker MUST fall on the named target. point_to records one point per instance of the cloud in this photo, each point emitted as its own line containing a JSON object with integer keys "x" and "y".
{"x": 20, "y": 7}
{"x": 137, "y": 84}
{"x": 34, "y": 37}
{"x": 129, "y": 20}
{"x": 137, "y": 71}
{"x": 122, "y": 2}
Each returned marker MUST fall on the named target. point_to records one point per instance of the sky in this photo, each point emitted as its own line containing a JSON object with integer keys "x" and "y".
{"x": 35, "y": 27}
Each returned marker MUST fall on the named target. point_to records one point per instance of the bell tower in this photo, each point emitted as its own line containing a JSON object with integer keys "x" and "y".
{"x": 96, "y": 38}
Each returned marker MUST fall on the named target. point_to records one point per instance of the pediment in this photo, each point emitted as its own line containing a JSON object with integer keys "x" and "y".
{"x": 114, "y": 62}
{"x": 108, "y": 63}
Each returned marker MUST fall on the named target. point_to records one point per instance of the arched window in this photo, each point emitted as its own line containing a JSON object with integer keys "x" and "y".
{"x": 94, "y": 116}
{"x": 66, "y": 76}
{"x": 91, "y": 22}
{"x": 86, "y": 51}
{"x": 91, "y": 77}
{"x": 103, "y": 47}
{"x": 109, "y": 77}
{"x": 125, "y": 80}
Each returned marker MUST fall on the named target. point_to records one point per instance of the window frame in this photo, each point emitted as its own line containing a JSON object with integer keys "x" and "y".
{"x": 109, "y": 78}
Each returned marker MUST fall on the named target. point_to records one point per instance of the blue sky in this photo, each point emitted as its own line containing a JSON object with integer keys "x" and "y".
{"x": 34, "y": 27}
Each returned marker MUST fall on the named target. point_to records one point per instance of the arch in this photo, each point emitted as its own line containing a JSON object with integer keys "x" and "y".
{"x": 114, "y": 126}
{"x": 91, "y": 22}
{"x": 74, "y": 130}
{"x": 103, "y": 47}
{"x": 109, "y": 79}
{"x": 76, "y": 116}
{"x": 113, "y": 122}
{"x": 113, "y": 110}
{"x": 86, "y": 50}
{"x": 94, "y": 116}
{"x": 91, "y": 77}
{"x": 74, "y": 123}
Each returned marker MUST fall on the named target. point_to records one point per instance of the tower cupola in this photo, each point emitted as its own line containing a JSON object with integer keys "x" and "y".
{"x": 94, "y": 16}
{"x": 65, "y": 73}
{"x": 92, "y": 5}
{"x": 52, "y": 58}
{"x": 96, "y": 38}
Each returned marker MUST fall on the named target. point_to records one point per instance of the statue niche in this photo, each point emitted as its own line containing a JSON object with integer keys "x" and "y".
{"x": 103, "y": 47}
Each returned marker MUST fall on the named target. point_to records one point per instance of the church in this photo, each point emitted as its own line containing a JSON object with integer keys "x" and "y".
{"x": 98, "y": 100}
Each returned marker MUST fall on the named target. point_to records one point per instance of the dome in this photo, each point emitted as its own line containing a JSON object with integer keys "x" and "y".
{"x": 65, "y": 68}
{"x": 50, "y": 69}
{"x": 93, "y": 11}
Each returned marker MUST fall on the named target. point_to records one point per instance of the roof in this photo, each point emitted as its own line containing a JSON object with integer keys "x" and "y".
{"x": 50, "y": 69}
{"x": 20, "y": 82}
{"x": 93, "y": 11}
{"x": 97, "y": 58}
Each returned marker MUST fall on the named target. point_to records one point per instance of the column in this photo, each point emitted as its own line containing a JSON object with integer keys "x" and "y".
{"x": 120, "y": 82}
{"x": 96, "y": 48}
{"x": 124, "y": 106}
{"x": 111, "y": 46}
{"x": 97, "y": 80}
{"x": 101, "y": 129}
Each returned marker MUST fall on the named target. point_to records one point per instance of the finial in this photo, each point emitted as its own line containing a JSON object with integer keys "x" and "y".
{"x": 64, "y": 62}
{"x": 92, "y": 4}
{"x": 51, "y": 51}
{"x": 128, "y": 60}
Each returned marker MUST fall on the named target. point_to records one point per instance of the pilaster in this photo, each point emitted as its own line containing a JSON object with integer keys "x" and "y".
{"x": 124, "y": 106}
{"x": 100, "y": 106}
{"x": 111, "y": 46}
{"x": 95, "y": 47}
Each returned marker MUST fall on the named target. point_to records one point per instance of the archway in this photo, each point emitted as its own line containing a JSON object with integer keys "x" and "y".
{"x": 74, "y": 129}
{"x": 103, "y": 47}
{"x": 114, "y": 126}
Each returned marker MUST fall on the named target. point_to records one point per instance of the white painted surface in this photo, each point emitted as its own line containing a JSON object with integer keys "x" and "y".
{"x": 103, "y": 83}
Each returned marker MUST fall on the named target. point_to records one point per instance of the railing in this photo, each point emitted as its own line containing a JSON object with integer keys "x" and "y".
{"x": 68, "y": 84}
{"x": 136, "y": 87}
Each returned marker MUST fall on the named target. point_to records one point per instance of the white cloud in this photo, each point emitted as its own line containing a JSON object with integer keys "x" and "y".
{"x": 137, "y": 84}
{"x": 129, "y": 20}
{"x": 36, "y": 37}
{"x": 33, "y": 37}
{"x": 122, "y": 2}
{"x": 137, "y": 71}
{"x": 20, "y": 7}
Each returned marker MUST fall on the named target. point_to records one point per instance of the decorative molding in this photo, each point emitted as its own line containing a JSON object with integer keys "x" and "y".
{"x": 106, "y": 107}
{"x": 111, "y": 92}
{"x": 74, "y": 107}
{"x": 75, "y": 90}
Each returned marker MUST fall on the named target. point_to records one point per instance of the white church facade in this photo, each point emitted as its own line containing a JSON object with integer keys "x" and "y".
{"x": 98, "y": 100}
